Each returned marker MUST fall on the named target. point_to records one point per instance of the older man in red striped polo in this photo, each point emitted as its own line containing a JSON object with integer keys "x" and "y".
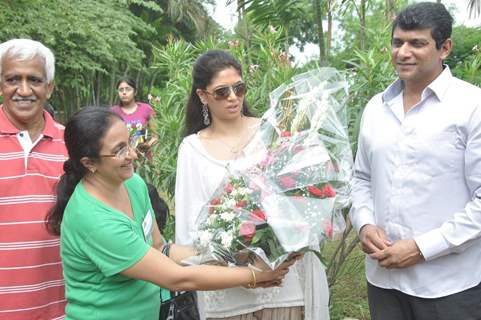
{"x": 32, "y": 153}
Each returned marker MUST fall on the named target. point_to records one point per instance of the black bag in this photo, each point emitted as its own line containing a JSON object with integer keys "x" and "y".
{"x": 181, "y": 306}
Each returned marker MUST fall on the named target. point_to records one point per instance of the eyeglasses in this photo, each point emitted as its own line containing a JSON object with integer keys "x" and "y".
{"x": 126, "y": 89}
{"x": 122, "y": 152}
{"x": 223, "y": 92}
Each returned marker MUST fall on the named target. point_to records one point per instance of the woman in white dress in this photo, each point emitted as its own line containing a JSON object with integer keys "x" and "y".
{"x": 218, "y": 128}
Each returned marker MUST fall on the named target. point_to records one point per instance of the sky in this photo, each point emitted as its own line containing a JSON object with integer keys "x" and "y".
{"x": 227, "y": 18}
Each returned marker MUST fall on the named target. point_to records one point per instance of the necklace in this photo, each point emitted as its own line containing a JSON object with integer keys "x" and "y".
{"x": 233, "y": 149}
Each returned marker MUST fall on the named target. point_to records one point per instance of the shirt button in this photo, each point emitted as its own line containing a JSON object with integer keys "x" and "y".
{"x": 21, "y": 134}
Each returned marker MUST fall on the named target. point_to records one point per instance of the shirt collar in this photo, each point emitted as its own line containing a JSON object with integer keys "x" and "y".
{"x": 49, "y": 129}
{"x": 438, "y": 86}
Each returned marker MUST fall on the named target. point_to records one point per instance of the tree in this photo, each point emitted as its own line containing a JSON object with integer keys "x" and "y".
{"x": 93, "y": 42}
{"x": 474, "y": 7}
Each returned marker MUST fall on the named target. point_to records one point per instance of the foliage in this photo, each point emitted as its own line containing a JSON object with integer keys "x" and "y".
{"x": 465, "y": 59}
{"x": 90, "y": 39}
{"x": 95, "y": 42}
{"x": 465, "y": 39}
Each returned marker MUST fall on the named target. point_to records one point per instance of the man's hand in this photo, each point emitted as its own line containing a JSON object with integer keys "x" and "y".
{"x": 373, "y": 239}
{"x": 401, "y": 254}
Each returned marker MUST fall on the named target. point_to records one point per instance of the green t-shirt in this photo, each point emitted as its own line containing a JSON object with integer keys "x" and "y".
{"x": 97, "y": 243}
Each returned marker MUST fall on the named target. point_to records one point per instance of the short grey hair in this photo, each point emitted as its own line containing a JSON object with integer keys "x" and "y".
{"x": 26, "y": 49}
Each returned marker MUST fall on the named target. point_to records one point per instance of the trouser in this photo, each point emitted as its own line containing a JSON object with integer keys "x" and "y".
{"x": 390, "y": 304}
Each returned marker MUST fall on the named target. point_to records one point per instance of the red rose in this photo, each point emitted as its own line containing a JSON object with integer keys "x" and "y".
{"x": 241, "y": 203}
{"x": 328, "y": 191}
{"x": 258, "y": 215}
{"x": 287, "y": 182}
{"x": 228, "y": 188}
{"x": 267, "y": 161}
{"x": 247, "y": 230}
{"x": 315, "y": 191}
{"x": 328, "y": 229}
{"x": 285, "y": 134}
{"x": 215, "y": 201}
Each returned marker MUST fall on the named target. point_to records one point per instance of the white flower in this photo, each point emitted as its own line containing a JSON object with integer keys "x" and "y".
{"x": 212, "y": 218}
{"x": 149, "y": 97}
{"x": 227, "y": 216}
{"x": 475, "y": 48}
{"x": 229, "y": 203}
{"x": 226, "y": 239}
{"x": 157, "y": 99}
{"x": 244, "y": 191}
{"x": 205, "y": 238}
{"x": 272, "y": 29}
{"x": 253, "y": 68}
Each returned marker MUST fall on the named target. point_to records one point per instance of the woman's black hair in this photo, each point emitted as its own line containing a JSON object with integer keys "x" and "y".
{"x": 204, "y": 70}
{"x": 131, "y": 82}
{"x": 83, "y": 138}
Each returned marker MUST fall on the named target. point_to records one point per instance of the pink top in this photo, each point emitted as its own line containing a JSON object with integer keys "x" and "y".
{"x": 141, "y": 116}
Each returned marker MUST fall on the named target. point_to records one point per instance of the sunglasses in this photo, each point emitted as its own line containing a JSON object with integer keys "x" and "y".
{"x": 223, "y": 92}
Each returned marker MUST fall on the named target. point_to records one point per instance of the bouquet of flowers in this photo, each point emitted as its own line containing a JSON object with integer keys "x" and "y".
{"x": 286, "y": 195}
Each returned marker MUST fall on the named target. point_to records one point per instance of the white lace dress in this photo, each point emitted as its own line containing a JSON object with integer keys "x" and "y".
{"x": 198, "y": 175}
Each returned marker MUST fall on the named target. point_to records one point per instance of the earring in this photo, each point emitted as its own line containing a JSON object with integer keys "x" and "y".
{"x": 92, "y": 170}
{"x": 205, "y": 114}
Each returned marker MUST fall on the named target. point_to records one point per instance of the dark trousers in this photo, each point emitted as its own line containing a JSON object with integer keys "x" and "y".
{"x": 389, "y": 304}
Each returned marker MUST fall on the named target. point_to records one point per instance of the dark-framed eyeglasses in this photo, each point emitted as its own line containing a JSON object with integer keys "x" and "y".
{"x": 122, "y": 152}
{"x": 223, "y": 92}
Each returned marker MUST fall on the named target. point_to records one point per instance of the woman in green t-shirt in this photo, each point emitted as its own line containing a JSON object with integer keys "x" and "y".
{"x": 110, "y": 243}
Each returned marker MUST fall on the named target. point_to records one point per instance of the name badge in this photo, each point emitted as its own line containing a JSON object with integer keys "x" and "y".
{"x": 147, "y": 225}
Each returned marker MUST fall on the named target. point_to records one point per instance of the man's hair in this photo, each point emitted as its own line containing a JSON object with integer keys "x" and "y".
{"x": 26, "y": 49}
{"x": 426, "y": 15}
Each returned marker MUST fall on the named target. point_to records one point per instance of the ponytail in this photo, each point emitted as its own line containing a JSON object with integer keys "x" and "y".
{"x": 65, "y": 187}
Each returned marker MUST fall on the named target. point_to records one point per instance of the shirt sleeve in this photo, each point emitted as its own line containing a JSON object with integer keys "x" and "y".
{"x": 362, "y": 209}
{"x": 113, "y": 246}
{"x": 188, "y": 200}
{"x": 460, "y": 232}
{"x": 150, "y": 111}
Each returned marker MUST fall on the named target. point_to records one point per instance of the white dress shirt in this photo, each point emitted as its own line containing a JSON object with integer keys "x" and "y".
{"x": 418, "y": 176}
{"x": 198, "y": 176}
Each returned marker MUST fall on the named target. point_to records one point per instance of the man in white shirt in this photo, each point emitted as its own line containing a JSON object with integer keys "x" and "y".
{"x": 417, "y": 180}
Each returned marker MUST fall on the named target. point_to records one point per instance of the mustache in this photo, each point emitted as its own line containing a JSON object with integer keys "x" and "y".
{"x": 19, "y": 99}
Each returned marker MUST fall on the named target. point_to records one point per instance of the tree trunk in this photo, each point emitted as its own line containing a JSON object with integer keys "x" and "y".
{"x": 240, "y": 9}
{"x": 320, "y": 31}
{"x": 390, "y": 9}
{"x": 362, "y": 23}
{"x": 329, "y": 30}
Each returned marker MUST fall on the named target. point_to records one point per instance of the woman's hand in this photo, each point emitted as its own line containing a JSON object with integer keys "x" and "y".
{"x": 273, "y": 278}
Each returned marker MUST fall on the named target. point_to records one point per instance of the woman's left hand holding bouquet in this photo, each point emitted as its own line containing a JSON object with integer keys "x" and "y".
{"x": 260, "y": 267}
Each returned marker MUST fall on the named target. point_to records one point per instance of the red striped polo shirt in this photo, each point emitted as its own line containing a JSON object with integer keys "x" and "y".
{"x": 31, "y": 282}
